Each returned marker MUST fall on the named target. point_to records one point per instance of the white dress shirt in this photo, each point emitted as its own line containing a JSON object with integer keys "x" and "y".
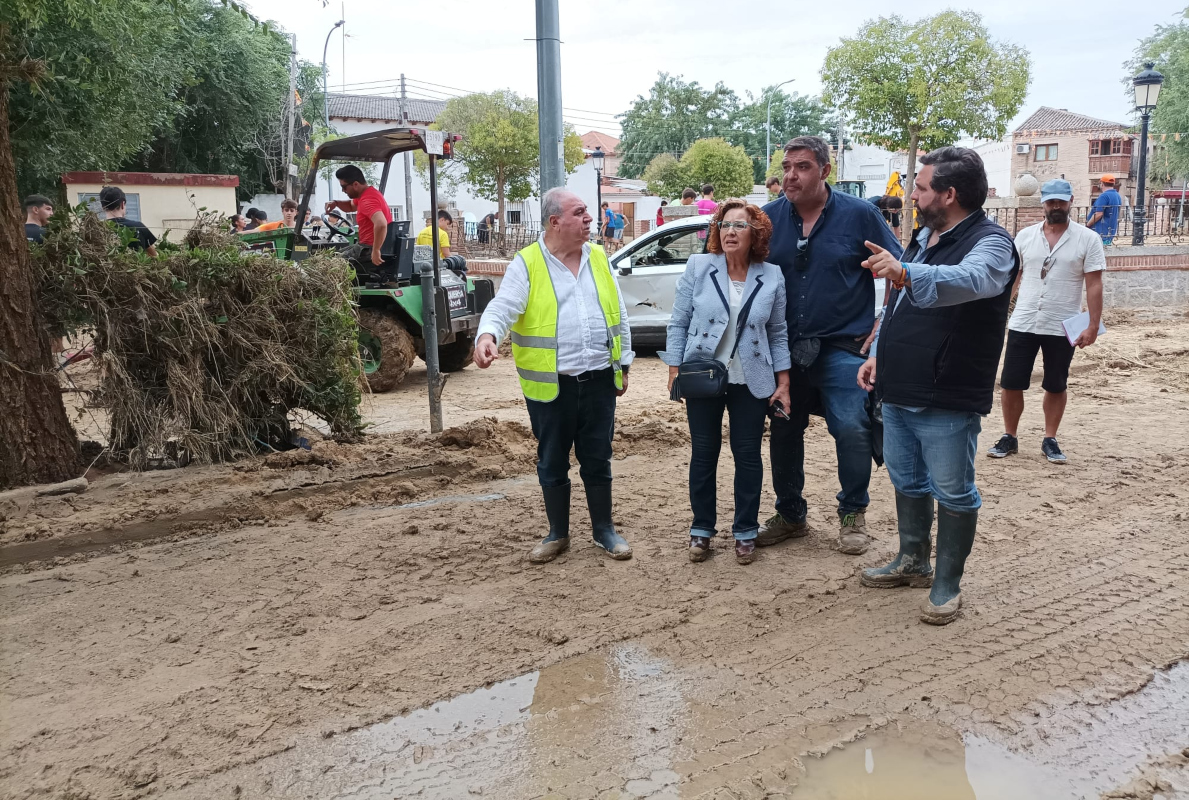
{"x": 1043, "y": 303}
{"x": 582, "y": 344}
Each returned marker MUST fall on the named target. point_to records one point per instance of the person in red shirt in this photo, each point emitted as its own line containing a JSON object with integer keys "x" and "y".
{"x": 660, "y": 217}
{"x": 372, "y": 215}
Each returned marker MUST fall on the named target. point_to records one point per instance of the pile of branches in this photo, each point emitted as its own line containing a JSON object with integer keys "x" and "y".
{"x": 207, "y": 348}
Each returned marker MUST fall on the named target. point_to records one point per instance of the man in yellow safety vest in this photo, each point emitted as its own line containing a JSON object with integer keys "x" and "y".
{"x": 572, "y": 348}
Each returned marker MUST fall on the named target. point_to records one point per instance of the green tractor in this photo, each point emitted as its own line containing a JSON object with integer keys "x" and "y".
{"x": 391, "y": 303}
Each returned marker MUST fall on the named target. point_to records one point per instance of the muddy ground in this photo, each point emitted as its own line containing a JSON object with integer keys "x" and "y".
{"x": 280, "y": 627}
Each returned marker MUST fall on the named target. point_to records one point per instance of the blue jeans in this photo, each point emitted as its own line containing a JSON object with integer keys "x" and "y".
{"x": 931, "y": 452}
{"x": 581, "y": 417}
{"x": 747, "y": 414}
{"x": 833, "y": 374}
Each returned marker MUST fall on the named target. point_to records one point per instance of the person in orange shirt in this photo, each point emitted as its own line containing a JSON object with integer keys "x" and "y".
{"x": 288, "y": 217}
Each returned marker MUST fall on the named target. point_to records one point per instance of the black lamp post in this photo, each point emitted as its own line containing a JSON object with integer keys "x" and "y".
{"x": 596, "y": 160}
{"x": 1147, "y": 91}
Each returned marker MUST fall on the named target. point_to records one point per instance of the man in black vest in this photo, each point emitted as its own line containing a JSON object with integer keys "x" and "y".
{"x": 938, "y": 352}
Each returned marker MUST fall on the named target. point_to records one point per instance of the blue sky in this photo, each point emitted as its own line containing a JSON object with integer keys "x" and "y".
{"x": 612, "y": 50}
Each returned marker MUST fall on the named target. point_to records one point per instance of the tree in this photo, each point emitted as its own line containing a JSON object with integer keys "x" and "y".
{"x": 717, "y": 162}
{"x": 673, "y": 116}
{"x": 498, "y": 157}
{"x": 665, "y": 177}
{"x": 793, "y": 115}
{"x": 1168, "y": 48}
{"x": 908, "y": 86}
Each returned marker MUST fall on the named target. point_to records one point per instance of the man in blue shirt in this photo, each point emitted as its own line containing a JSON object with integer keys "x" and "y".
{"x": 1104, "y": 216}
{"x": 818, "y": 241}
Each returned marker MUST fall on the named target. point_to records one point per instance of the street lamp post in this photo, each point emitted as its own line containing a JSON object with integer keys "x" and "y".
{"x": 1147, "y": 91}
{"x": 596, "y": 160}
{"x": 768, "y": 125}
{"x": 326, "y": 97}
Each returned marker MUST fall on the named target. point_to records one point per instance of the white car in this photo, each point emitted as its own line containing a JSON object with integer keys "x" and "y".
{"x": 649, "y": 267}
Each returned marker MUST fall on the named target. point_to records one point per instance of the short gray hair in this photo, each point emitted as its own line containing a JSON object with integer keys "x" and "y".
{"x": 551, "y": 203}
{"x": 814, "y": 144}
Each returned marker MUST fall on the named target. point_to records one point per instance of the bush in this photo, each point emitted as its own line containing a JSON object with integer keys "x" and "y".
{"x": 206, "y": 348}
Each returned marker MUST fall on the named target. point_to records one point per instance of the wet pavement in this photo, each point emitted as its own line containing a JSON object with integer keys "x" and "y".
{"x": 623, "y": 724}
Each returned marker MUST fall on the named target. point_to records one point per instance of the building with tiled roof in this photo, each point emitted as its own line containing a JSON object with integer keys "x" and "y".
{"x": 1058, "y": 143}
{"x": 381, "y": 108}
{"x": 610, "y": 147}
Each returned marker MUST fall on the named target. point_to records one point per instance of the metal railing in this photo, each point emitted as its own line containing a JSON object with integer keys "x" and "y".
{"x": 1167, "y": 221}
{"x": 474, "y": 242}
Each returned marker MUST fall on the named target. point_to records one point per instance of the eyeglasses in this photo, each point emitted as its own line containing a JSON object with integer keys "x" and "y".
{"x": 1045, "y": 266}
{"x": 739, "y": 225}
{"x": 801, "y": 262}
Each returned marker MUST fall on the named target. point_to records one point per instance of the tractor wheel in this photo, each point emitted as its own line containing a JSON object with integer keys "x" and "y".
{"x": 458, "y": 354}
{"x": 386, "y": 349}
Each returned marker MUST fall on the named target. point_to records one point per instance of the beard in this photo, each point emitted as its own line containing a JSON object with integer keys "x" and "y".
{"x": 1057, "y": 216}
{"x": 931, "y": 218}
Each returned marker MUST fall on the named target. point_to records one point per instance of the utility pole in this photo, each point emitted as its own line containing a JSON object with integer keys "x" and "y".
{"x": 404, "y": 121}
{"x": 292, "y": 106}
{"x": 326, "y": 101}
{"x": 553, "y": 165}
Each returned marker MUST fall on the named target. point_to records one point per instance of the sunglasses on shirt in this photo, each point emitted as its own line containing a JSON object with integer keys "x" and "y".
{"x": 801, "y": 262}
{"x": 1045, "y": 266}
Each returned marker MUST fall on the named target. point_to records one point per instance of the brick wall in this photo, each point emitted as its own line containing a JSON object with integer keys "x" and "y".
{"x": 1073, "y": 161}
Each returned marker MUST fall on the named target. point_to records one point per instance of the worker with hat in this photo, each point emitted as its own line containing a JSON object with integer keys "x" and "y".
{"x": 1056, "y": 261}
{"x": 572, "y": 347}
{"x": 1104, "y": 216}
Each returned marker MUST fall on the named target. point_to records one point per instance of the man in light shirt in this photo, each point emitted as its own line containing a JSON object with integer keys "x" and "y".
{"x": 1057, "y": 260}
{"x": 572, "y": 347}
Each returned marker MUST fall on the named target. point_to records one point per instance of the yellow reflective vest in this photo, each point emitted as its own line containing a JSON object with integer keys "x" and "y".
{"x": 534, "y": 334}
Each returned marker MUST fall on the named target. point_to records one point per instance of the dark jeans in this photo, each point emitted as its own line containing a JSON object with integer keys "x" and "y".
{"x": 582, "y": 417}
{"x": 834, "y": 375}
{"x": 747, "y": 414}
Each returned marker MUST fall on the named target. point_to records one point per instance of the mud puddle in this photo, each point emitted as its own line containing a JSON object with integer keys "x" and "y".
{"x": 495, "y": 741}
{"x": 1079, "y": 752}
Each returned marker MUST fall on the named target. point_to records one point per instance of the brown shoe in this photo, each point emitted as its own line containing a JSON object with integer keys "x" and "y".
{"x": 777, "y": 529}
{"x": 745, "y": 551}
{"x": 699, "y": 548}
{"x": 852, "y": 535}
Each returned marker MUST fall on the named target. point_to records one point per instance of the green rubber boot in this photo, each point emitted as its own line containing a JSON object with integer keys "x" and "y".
{"x": 955, "y": 538}
{"x": 910, "y": 567}
{"x": 557, "y": 509}
{"x": 598, "y": 501}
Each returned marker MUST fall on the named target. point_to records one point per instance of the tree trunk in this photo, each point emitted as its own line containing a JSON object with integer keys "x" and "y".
{"x": 499, "y": 194}
{"x": 37, "y": 442}
{"x": 907, "y": 220}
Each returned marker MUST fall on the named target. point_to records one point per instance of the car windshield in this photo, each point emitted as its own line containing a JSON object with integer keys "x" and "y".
{"x": 671, "y": 248}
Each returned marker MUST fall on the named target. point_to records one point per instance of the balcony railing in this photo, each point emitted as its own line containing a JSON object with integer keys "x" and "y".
{"x": 1117, "y": 164}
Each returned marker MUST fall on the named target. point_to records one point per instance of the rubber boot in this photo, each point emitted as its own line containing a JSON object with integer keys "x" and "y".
{"x": 910, "y": 567}
{"x": 955, "y": 538}
{"x": 598, "y": 500}
{"x": 557, "y": 509}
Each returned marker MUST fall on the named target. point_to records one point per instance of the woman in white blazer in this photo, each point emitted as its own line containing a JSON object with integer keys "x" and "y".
{"x": 730, "y": 306}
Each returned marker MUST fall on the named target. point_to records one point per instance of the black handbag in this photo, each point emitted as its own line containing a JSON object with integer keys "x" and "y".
{"x": 699, "y": 378}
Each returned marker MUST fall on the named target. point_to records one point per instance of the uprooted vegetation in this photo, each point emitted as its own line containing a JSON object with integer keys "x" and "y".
{"x": 207, "y": 348}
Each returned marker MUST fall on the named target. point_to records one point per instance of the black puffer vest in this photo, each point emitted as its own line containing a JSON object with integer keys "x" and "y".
{"x": 945, "y": 357}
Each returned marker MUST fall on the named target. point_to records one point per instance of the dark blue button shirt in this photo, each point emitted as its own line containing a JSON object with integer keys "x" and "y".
{"x": 832, "y": 296}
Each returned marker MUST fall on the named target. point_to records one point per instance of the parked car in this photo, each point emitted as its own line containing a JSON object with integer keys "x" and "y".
{"x": 648, "y": 270}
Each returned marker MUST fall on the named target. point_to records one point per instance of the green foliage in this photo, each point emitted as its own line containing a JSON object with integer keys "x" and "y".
{"x": 673, "y": 116}
{"x": 717, "y": 162}
{"x": 160, "y": 85}
{"x": 1168, "y": 48}
{"x": 665, "y": 177}
{"x": 925, "y": 84}
{"x": 499, "y": 155}
{"x": 793, "y": 115}
{"x": 207, "y": 347}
